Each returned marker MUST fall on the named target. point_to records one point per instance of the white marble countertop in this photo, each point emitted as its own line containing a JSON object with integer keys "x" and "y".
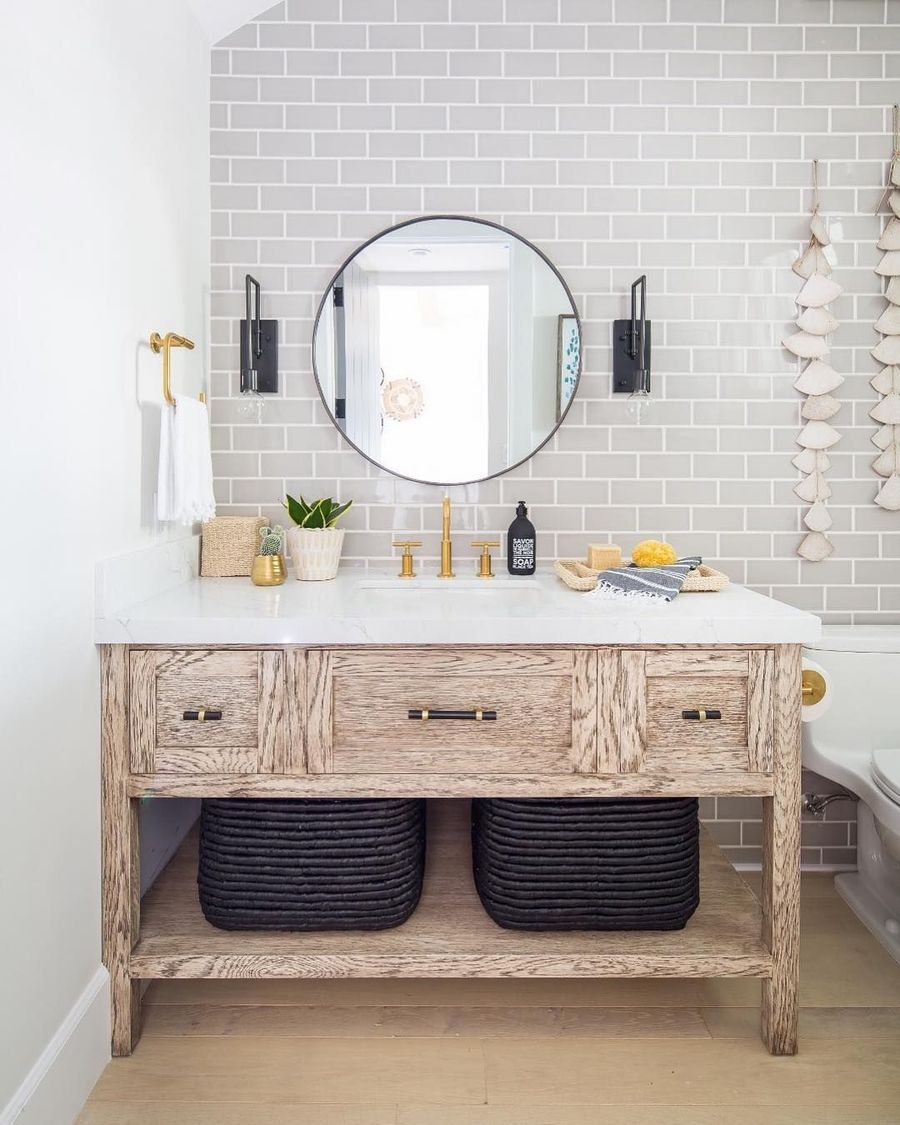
{"x": 222, "y": 611}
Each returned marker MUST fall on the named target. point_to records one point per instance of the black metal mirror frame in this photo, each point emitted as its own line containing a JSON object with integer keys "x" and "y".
{"x": 455, "y": 218}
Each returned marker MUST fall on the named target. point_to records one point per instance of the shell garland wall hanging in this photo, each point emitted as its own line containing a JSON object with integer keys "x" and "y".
{"x": 887, "y": 382}
{"x": 817, "y": 381}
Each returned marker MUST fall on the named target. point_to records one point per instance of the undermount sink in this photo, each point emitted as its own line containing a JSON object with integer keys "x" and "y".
{"x": 506, "y": 584}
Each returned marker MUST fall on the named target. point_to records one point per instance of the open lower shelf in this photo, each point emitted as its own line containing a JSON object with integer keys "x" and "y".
{"x": 450, "y": 935}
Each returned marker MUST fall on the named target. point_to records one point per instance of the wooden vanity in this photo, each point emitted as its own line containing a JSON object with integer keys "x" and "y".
{"x": 217, "y": 688}
{"x": 300, "y": 720}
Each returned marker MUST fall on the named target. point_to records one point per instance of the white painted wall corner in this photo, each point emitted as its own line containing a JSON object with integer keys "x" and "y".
{"x": 57, "y": 1086}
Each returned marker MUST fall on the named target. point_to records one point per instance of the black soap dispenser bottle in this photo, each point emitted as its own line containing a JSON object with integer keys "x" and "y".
{"x": 520, "y": 543}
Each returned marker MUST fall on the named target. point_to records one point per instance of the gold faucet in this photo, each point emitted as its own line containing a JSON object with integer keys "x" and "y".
{"x": 446, "y": 570}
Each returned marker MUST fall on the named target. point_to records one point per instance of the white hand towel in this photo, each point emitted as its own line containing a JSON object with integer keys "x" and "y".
{"x": 185, "y": 483}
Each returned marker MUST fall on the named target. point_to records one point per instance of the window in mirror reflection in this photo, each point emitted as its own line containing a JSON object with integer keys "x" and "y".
{"x": 438, "y": 350}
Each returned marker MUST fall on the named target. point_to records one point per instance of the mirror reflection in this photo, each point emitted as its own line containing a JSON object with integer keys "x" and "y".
{"x": 447, "y": 350}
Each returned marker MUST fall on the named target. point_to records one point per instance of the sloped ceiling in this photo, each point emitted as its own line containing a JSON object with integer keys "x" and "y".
{"x": 219, "y": 18}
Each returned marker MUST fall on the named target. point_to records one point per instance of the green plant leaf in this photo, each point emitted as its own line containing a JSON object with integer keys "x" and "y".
{"x": 336, "y": 512}
{"x": 315, "y": 517}
{"x": 320, "y": 513}
{"x": 297, "y": 509}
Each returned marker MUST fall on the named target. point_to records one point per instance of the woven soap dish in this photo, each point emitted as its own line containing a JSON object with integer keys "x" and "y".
{"x": 705, "y": 580}
{"x": 576, "y": 575}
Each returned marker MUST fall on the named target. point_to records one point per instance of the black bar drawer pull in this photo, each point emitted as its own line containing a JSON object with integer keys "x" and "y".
{"x": 478, "y": 715}
{"x": 701, "y": 716}
{"x": 202, "y": 715}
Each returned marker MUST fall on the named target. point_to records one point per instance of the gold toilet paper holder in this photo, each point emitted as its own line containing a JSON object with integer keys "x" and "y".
{"x": 813, "y": 687}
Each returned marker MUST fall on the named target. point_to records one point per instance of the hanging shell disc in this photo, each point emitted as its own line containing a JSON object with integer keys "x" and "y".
{"x": 889, "y": 494}
{"x": 883, "y": 382}
{"x": 811, "y": 460}
{"x": 818, "y": 518}
{"x": 805, "y": 346}
{"x": 889, "y": 321}
{"x": 818, "y": 378}
{"x": 820, "y": 408}
{"x": 813, "y": 489}
{"x": 889, "y": 266}
{"x": 818, "y": 435}
{"x": 818, "y": 229}
{"x": 887, "y": 411}
{"x": 887, "y": 351}
{"x": 886, "y": 464}
{"x": 890, "y": 239}
{"x": 815, "y": 547}
{"x": 817, "y": 321}
{"x": 812, "y": 260}
{"x": 818, "y": 290}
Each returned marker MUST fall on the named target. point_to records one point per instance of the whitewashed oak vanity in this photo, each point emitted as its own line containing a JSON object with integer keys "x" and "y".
{"x": 216, "y": 688}
{"x": 313, "y": 684}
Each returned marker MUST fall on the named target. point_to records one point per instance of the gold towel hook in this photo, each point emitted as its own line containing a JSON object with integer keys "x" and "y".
{"x": 164, "y": 344}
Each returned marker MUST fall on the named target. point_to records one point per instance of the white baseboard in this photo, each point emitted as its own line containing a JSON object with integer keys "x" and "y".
{"x": 806, "y": 868}
{"x": 57, "y": 1086}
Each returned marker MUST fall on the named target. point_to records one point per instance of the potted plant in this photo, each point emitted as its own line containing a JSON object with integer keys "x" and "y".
{"x": 268, "y": 566}
{"x": 315, "y": 543}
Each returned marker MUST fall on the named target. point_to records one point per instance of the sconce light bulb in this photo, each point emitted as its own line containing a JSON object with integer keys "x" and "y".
{"x": 638, "y": 406}
{"x": 639, "y": 400}
{"x": 250, "y": 406}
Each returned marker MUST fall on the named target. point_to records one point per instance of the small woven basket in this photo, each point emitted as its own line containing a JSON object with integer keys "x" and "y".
{"x": 702, "y": 580}
{"x": 576, "y": 575}
{"x": 229, "y": 545}
{"x": 705, "y": 580}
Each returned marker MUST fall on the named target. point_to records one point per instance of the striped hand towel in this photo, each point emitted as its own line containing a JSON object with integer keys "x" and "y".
{"x": 645, "y": 581}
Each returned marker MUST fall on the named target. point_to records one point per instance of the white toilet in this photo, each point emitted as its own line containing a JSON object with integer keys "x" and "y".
{"x": 855, "y": 741}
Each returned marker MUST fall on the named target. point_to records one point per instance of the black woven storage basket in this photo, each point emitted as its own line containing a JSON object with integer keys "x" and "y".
{"x": 310, "y": 864}
{"x": 587, "y": 864}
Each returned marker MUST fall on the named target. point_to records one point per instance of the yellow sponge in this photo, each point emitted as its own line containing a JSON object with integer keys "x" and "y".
{"x": 653, "y": 553}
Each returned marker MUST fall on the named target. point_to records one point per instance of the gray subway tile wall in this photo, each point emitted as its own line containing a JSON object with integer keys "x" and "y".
{"x": 669, "y": 137}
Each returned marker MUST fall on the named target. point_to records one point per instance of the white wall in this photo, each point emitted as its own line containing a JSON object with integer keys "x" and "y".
{"x": 104, "y": 220}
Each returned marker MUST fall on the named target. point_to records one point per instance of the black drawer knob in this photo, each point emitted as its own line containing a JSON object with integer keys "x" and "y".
{"x": 701, "y": 715}
{"x": 202, "y": 715}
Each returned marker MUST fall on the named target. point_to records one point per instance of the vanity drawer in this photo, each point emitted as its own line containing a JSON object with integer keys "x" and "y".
{"x": 537, "y": 711}
{"x": 693, "y": 710}
{"x": 200, "y": 711}
{"x": 696, "y": 718}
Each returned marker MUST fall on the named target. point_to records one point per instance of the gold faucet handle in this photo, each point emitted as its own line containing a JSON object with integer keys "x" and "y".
{"x": 406, "y": 559}
{"x": 484, "y": 563}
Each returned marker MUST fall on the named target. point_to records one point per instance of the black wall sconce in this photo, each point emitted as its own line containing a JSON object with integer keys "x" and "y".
{"x": 631, "y": 347}
{"x": 259, "y": 347}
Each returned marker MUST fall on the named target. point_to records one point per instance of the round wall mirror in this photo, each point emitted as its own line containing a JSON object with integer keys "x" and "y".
{"x": 447, "y": 350}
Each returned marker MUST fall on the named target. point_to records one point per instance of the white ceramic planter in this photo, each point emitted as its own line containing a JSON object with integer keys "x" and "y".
{"x": 315, "y": 552}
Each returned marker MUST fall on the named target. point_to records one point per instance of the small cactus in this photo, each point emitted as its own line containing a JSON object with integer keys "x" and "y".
{"x": 272, "y": 540}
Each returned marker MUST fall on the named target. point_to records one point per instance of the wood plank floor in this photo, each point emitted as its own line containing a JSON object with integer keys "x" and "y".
{"x": 520, "y": 1052}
